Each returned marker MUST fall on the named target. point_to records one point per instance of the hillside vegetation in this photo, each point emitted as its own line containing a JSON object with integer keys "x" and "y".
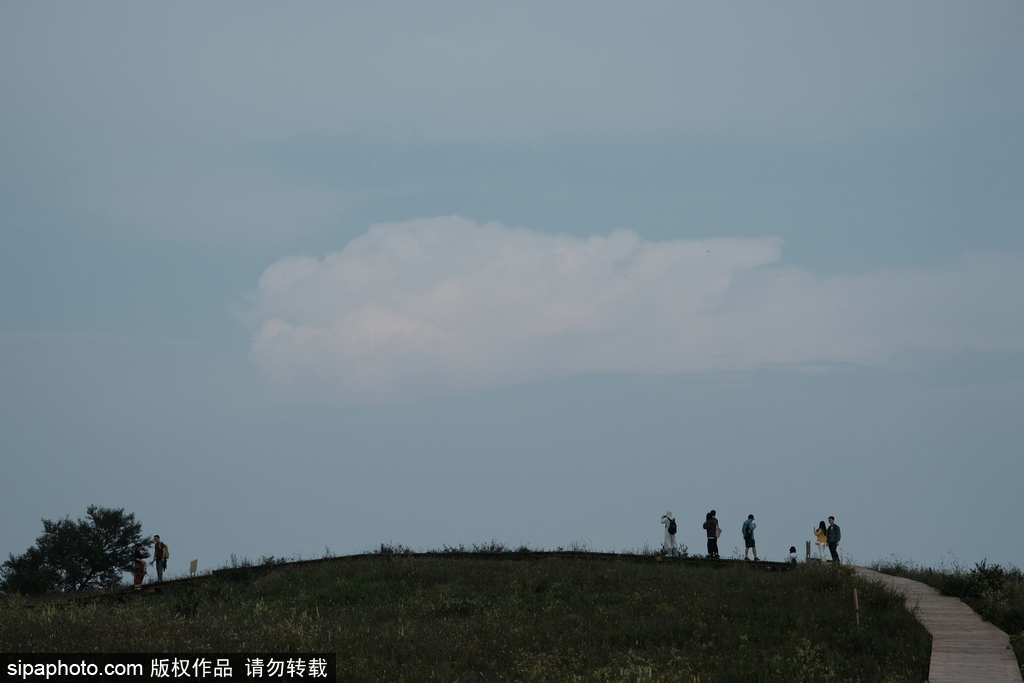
{"x": 513, "y": 616}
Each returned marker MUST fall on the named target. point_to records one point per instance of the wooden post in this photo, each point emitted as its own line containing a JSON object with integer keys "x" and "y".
{"x": 856, "y": 606}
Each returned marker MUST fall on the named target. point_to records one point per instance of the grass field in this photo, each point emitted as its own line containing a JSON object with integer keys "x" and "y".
{"x": 513, "y": 616}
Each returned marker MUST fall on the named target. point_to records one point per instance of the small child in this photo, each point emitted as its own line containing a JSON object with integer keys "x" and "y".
{"x": 791, "y": 558}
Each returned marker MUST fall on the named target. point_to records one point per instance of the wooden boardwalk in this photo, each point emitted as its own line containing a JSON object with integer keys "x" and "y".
{"x": 965, "y": 648}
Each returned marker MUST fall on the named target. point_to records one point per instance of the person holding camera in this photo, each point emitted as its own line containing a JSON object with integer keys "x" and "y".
{"x": 670, "y": 546}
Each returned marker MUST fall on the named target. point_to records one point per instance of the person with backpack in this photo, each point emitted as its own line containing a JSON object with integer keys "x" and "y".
{"x": 713, "y": 532}
{"x": 670, "y": 546}
{"x": 748, "y": 539}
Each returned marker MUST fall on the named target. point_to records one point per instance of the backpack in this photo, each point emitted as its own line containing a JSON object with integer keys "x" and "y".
{"x": 672, "y": 526}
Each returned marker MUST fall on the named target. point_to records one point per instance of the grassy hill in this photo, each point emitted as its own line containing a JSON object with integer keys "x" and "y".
{"x": 515, "y": 616}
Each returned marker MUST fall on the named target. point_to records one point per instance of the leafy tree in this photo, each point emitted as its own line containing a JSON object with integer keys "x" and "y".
{"x": 75, "y": 556}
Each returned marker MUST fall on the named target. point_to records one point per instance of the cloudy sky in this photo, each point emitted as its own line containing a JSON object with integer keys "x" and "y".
{"x": 280, "y": 278}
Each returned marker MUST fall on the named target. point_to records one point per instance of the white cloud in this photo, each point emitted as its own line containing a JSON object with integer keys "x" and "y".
{"x": 441, "y": 305}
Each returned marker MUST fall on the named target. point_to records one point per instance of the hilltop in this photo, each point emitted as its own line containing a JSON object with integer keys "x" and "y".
{"x": 522, "y": 616}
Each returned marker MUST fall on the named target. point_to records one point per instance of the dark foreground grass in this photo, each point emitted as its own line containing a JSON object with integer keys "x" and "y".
{"x": 562, "y": 617}
{"x": 993, "y": 591}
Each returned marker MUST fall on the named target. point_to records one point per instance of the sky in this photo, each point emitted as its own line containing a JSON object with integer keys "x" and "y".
{"x": 286, "y": 280}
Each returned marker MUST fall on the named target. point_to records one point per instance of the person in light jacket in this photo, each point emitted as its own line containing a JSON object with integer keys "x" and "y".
{"x": 821, "y": 534}
{"x": 670, "y": 545}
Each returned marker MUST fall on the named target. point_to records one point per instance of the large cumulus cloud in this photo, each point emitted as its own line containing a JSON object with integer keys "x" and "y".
{"x": 442, "y": 305}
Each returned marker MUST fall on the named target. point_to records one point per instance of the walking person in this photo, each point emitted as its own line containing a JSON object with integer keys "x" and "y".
{"x": 833, "y": 536}
{"x": 139, "y": 569}
{"x": 160, "y": 555}
{"x": 713, "y": 532}
{"x": 670, "y": 546}
{"x": 748, "y": 539}
{"x": 821, "y": 534}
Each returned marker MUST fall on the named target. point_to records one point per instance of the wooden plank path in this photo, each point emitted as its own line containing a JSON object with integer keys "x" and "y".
{"x": 965, "y": 648}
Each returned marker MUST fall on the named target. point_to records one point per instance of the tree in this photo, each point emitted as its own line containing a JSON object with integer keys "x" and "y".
{"x": 75, "y": 556}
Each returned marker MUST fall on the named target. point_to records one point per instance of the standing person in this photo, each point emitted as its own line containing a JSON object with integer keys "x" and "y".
{"x": 139, "y": 570}
{"x": 713, "y": 532}
{"x": 670, "y": 545}
{"x": 834, "y": 536}
{"x": 160, "y": 555}
{"x": 748, "y": 539}
{"x": 791, "y": 558}
{"x": 822, "y": 535}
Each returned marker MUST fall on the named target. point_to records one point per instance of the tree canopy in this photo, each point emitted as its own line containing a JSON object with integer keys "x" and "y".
{"x": 76, "y": 555}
